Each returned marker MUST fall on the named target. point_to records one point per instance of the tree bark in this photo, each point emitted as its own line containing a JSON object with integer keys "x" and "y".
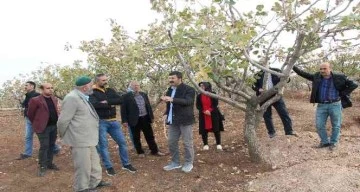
{"x": 252, "y": 118}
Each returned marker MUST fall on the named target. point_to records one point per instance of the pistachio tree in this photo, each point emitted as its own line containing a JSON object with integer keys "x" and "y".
{"x": 215, "y": 40}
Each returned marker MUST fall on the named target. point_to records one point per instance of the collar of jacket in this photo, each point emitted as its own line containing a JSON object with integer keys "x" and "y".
{"x": 99, "y": 88}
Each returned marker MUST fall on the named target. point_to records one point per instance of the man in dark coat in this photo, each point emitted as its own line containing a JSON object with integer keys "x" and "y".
{"x": 180, "y": 118}
{"x": 137, "y": 113}
{"x": 213, "y": 112}
{"x": 30, "y": 87}
{"x": 328, "y": 89}
{"x": 29, "y": 133}
{"x": 278, "y": 105}
{"x": 43, "y": 113}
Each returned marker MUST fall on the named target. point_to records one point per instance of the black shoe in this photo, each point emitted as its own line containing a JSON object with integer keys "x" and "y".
{"x": 323, "y": 145}
{"x": 56, "y": 152}
{"x": 23, "y": 156}
{"x": 272, "y": 135}
{"x": 41, "y": 172}
{"x": 53, "y": 167}
{"x": 110, "y": 171}
{"x": 103, "y": 184}
{"x": 129, "y": 168}
{"x": 292, "y": 134}
{"x": 332, "y": 146}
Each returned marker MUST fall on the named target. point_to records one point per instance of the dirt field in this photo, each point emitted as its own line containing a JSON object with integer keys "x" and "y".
{"x": 296, "y": 164}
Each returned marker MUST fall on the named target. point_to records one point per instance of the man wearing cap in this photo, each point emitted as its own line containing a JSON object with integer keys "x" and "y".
{"x": 78, "y": 126}
{"x": 104, "y": 100}
{"x": 43, "y": 114}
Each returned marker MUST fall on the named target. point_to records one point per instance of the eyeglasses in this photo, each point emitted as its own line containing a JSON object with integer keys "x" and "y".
{"x": 49, "y": 88}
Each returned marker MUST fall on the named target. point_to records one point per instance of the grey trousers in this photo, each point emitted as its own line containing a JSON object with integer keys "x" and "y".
{"x": 88, "y": 173}
{"x": 175, "y": 131}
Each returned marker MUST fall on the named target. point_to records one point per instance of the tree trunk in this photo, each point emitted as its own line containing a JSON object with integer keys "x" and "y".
{"x": 251, "y": 123}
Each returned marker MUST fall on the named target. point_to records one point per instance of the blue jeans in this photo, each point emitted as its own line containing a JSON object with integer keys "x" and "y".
{"x": 280, "y": 107}
{"x": 114, "y": 130}
{"x": 323, "y": 111}
{"x": 29, "y": 135}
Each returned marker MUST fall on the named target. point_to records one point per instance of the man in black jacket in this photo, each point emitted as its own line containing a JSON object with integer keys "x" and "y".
{"x": 137, "y": 113}
{"x": 180, "y": 118}
{"x": 104, "y": 101}
{"x": 278, "y": 105}
{"x": 30, "y": 93}
{"x": 327, "y": 90}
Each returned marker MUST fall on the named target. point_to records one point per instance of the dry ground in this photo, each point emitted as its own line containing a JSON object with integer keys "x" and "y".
{"x": 296, "y": 164}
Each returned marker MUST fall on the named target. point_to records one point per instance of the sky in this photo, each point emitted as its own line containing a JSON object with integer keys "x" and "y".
{"x": 36, "y": 31}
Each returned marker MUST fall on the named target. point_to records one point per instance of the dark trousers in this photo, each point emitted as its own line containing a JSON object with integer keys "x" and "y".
{"x": 47, "y": 141}
{"x": 284, "y": 116}
{"x": 204, "y": 136}
{"x": 145, "y": 126}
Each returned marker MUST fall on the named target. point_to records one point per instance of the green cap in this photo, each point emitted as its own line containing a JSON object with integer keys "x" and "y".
{"x": 83, "y": 80}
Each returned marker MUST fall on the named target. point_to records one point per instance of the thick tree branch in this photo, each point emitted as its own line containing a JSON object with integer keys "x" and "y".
{"x": 187, "y": 70}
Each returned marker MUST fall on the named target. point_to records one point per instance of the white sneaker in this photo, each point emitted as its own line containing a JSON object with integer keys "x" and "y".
{"x": 206, "y": 147}
{"x": 172, "y": 166}
{"x": 219, "y": 147}
{"x": 187, "y": 168}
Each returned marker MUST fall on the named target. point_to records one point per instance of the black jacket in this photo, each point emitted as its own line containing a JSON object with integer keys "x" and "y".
{"x": 130, "y": 109}
{"x": 105, "y": 110}
{"x": 260, "y": 79}
{"x": 183, "y": 105}
{"x": 341, "y": 83}
{"x": 216, "y": 116}
{"x": 28, "y": 96}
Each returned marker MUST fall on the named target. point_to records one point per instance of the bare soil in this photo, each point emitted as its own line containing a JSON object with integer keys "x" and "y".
{"x": 296, "y": 164}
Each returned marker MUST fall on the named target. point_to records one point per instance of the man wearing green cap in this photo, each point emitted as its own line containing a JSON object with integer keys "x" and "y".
{"x": 78, "y": 127}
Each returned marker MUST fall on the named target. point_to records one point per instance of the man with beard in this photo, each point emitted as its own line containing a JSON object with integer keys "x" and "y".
{"x": 179, "y": 116}
{"x": 79, "y": 128}
{"x": 43, "y": 114}
{"x": 104, "y": 100}
{"x": 30, "y": 87}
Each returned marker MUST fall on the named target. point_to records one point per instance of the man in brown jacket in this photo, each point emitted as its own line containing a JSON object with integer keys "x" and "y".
{"x": 43, "y": 114}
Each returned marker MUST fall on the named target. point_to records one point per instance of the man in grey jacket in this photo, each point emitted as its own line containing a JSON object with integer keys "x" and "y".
{"x": 78, "y": 127}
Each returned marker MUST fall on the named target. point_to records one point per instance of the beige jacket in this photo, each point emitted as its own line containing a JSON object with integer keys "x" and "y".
{"x": 78, "y": 123}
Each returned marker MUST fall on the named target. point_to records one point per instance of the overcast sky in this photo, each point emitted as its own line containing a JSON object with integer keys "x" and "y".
{"x": 36, "y": 31}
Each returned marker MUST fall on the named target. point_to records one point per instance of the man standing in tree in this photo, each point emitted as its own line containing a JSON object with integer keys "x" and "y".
{"x": 327, "y": 91}
{"x": 279, "y": 105}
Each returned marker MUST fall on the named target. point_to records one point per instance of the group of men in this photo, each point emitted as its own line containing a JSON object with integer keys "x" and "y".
{"x": 331, "y": 92}
{"x": 88, "y": 113}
